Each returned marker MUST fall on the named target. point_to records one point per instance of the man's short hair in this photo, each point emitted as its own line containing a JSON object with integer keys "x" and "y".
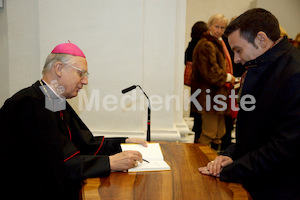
{"x": 253, "y": 21}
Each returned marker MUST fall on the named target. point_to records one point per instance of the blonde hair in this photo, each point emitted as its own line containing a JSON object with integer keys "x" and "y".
{"x": 283, "y": 31}
{"x": 217, "y": 17}
{"x": 297, "y": 38}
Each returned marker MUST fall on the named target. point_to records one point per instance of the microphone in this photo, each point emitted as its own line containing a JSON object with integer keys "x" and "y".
{"x": 128, "y": 89}
{"x": 149, "y": 108}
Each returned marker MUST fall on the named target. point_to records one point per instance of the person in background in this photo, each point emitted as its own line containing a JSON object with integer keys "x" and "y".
{"x": 197, "y": 30}
{"x": 283, "y": 32}
{"x": 266, "y": 156}
{"x": 46, "y": 152}
{"x": 296, "y": 42}
{"x": 212, "y": 74}
{"x": 238, "y": 71}
{"x": 238, "y": 68}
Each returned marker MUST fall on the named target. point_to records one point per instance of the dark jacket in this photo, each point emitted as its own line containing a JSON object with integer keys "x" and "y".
{"x": 209, "y": 72}
{"x": 188, "y": 56}
{"x": 267, "y": 151}
{"x": 44, "y": 156}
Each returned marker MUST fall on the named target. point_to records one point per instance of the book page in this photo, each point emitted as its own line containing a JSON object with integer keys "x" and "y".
{"x": 152, "y": 153}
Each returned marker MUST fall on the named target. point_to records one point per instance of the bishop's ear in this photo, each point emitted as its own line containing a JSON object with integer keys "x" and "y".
{"x": 58, "y": 67}
{"x": 262, "y": 39}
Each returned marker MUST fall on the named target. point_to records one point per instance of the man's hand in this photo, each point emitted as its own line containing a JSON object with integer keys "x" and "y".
{"x": 215, "y": 167}
{"x": 124, "y": 160}
{"x": 137, "y": 140}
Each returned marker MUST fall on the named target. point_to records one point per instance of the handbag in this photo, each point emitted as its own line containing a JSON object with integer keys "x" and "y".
{"x": 234, "y": 113}
{"x": 188, "y": 73}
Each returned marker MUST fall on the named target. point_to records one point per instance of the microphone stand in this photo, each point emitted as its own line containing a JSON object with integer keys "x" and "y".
{"x": 148, "y": 138}
{"x": 149, "y": 115}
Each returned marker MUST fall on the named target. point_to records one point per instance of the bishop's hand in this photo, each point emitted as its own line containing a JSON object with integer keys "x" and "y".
{"x": 137, "y": 141}
{"x": 124, "y": 160}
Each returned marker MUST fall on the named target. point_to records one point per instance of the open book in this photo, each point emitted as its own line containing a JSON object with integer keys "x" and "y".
{"x": 152, "y": 153}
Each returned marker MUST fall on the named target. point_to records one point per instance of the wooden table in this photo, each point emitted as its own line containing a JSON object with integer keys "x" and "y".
{"x": 182, "y": 182}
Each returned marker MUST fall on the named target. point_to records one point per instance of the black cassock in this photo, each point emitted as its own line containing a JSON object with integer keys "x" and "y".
{"x": 45, "y": 154}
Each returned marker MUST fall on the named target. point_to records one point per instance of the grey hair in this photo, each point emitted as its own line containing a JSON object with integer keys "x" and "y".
{"x": 52, "y": 58}
{"x": 217, "y": 16}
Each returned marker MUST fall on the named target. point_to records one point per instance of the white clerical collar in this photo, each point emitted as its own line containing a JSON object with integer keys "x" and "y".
{"x": 52, "y": 89}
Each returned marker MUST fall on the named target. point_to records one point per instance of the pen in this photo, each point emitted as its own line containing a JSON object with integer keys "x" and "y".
{"x": 146, "y": 160}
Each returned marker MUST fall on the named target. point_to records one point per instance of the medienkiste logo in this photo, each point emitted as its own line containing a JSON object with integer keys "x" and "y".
{"x": 94, "y": 101}
{"x": 55, "y": 101}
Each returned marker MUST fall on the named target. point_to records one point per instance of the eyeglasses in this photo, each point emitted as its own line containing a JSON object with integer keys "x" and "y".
{"x": 82, "y": 73}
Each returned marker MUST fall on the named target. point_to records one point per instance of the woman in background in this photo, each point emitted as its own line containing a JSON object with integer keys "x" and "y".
{"x": 198, "y": 29}
{"x": 212, "y": 73}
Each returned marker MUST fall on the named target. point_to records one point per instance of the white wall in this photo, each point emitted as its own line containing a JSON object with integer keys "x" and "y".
{"x": 19, "y": 46}
{"x": 4, "y": 67}
{"x": 110, "y": 33}
{"x": 287, "y": 13}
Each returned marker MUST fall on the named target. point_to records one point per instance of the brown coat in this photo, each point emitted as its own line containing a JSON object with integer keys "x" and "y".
{"x": 209, "y": 72}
